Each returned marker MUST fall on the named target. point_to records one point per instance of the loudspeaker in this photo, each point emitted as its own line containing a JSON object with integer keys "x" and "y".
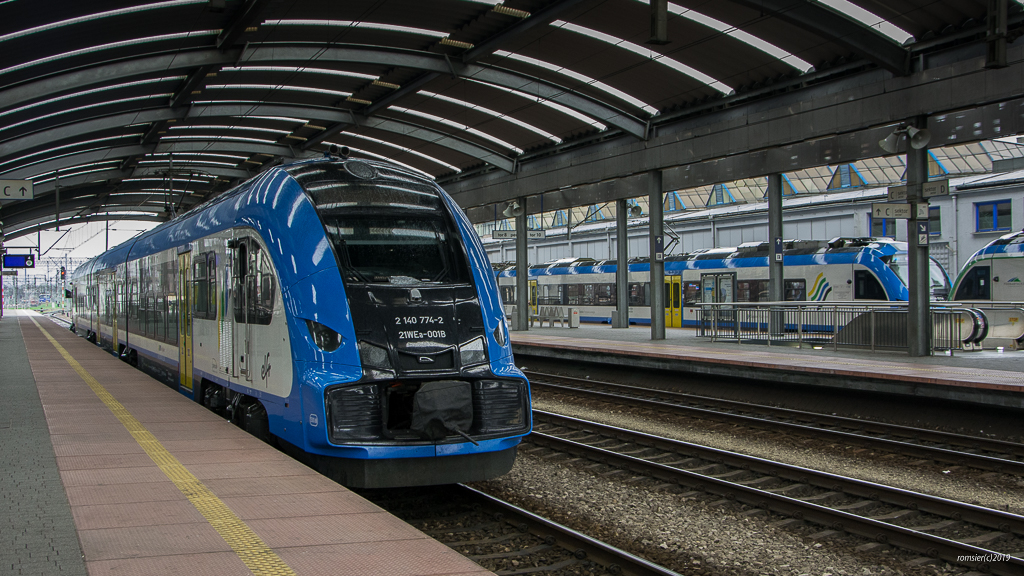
{"x": 919, "y": 137}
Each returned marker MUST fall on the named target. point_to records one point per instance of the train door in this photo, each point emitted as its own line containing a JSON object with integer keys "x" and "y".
{"x": 115, "y": 314}
{"x": 243, "y": 289}
{"x": 720, "y": 288}
{"x": 185, "y": 321}
{"x": 533, "y": 297}
{"x": 673, "y": 302}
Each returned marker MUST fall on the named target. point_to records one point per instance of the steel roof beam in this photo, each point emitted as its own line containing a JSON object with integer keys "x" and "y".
{"x": 76, "y": 159}
{"x": 821, "y": 21}
{"x": 12, "y": 148}
{"x": 545, "y": 16}
{"x": 436, "y": 63}
{"x": 111, "y": 73}
{"x": 83, "y": 220}
{"x": 244, "y": 18}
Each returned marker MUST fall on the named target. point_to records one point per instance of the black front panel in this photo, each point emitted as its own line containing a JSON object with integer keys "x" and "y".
{"x": 421, "y": 329}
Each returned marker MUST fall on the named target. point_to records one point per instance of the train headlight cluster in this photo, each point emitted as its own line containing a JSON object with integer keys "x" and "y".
{"x": 325, "y": 338}
{"x": 472, "y": 352}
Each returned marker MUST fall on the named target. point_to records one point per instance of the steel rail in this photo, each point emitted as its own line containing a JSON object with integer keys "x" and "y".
{"x": 672, "y": 401}
{"x": 615, "y": 560}
{"x": 934, "y": 546}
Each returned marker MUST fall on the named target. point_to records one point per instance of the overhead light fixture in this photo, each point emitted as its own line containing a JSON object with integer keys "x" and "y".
{"x": 636, "y": 211}
{"x": 512, "y": 210}
{"x": 918, "y": 138}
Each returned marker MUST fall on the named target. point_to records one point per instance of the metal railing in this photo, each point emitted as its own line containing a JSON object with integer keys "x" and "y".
{"x": 834, "y": 324}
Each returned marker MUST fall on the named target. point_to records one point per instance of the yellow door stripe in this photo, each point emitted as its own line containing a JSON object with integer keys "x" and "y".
{"x": 251, "y": 549}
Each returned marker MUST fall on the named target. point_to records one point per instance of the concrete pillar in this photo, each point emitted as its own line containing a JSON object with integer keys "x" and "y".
{"x": 919, "y": 307}
{"x": 522, "y": 271}
{"x": 621, "y": 318}
{"x": 656, "y": 205}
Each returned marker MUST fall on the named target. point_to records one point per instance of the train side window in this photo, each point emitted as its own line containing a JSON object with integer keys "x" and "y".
{"x": 752, "y": 291}
{"x": 795, "y": 290}
{"x": 975, "y": 285}
{"x": 575, "y": 292}
{"x": 266, "y": 288}
{"x": 867, "y": 287}
{"x": 255, "y": 288}
{"x": 638, "y": 294}
{"x": 691, "y": 293}
{"x": 169, "y": 285}
{"x": 200, "y": 289}
{"x": 211, "y": 279}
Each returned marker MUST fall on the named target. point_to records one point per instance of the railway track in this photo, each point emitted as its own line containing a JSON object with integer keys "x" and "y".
{"x": 959, "y": 533}
{"x": 504, "y": 538}
{"x": 973, "y": 451}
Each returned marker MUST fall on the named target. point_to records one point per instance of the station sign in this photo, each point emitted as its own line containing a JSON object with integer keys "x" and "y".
{"x": 16, "y": 190}
{"x": 9, "y": 273}
{"x": 899, "y": 211}
{"x": 19, "y": 261}
{"x": 511, "y": 234}
{"x": 928, "y": 189}
{"x": 922, "y": 233}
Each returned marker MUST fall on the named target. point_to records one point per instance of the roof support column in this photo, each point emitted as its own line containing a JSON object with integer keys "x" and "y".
{"x": 918, "y": 282}
{"x": 522, "y": 320}
{"x": 775, "y": 251}
{"x": 621, "y": 319}
{"x": 656, "y": 205}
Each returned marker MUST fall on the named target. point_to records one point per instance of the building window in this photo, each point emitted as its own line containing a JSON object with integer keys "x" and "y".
{"x": 934, "y": 222}
{"x": 882, "y": 227}
{"x": 992, "y": 216}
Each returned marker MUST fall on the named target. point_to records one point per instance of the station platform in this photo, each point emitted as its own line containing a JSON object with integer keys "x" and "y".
{"x": 981, "y": 377}
{"x": 107, "y": 471}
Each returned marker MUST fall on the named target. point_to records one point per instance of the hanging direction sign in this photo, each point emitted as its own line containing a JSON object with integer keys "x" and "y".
{"x": 928, "y": 189}
{"x": 900, "y": 211}
{"x": 890, "y": 210}
{"x": 511, "y": 234}
{"x": 16, "y": 190}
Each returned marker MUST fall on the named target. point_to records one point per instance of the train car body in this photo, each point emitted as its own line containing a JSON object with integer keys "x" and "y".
{"x": 996, "y": 272}
{"x": 840, "y": 270}
{"x": 345, "y": 308}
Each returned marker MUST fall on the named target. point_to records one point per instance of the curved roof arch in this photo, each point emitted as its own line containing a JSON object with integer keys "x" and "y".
{"x": 108, "y": 101}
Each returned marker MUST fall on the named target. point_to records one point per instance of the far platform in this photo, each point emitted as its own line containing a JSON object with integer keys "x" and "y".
{"x": 982, "y": 377}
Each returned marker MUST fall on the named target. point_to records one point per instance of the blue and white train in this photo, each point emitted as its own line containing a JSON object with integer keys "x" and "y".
{"x": 843, "y": 269}
{"x": 996, "y": 272}
{"x": 344, "y": 309}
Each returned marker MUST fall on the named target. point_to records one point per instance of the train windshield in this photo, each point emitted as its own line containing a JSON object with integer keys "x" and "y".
{"x": 385, "y": 226}
{"x": 395, "y": 250}
{"x": 938, "y": 280}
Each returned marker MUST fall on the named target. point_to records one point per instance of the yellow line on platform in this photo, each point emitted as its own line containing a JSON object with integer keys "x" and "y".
{"x": 251, "y": 549}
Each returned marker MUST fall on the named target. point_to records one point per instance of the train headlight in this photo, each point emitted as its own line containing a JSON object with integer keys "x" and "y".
{"x": 354, "y": 413}
{"x": 373, "y": 355}
{"x": 472, "y": 352}
{"x": 325, "y": 338}
{"x": 499, "y": 334}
